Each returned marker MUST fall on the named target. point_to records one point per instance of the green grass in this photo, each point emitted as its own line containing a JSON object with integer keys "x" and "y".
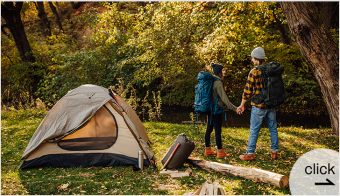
{"x": 18, "y": 126}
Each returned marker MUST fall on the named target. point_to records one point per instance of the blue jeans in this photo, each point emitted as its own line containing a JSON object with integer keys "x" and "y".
{"x": 256, "y": 119}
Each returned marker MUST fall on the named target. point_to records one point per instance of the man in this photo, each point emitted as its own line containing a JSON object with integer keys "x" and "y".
{"x": 259, "y": 111}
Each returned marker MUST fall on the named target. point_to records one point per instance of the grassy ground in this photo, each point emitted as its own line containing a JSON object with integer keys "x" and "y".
{"x": 18, "y": 126}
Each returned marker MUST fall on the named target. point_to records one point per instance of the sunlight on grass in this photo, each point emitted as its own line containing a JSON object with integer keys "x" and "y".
{"x": 12, "y": 185}
{"x": 18, "y": 127}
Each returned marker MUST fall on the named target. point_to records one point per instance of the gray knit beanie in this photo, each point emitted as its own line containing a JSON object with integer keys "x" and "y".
{"x": 217, "y": 68}
{"x": 258, "y": 53}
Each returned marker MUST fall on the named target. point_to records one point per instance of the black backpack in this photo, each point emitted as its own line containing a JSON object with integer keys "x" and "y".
{"x": 273, "y": 91}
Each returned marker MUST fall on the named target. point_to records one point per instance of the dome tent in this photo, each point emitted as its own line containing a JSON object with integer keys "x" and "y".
{"x": 89, "y": 126}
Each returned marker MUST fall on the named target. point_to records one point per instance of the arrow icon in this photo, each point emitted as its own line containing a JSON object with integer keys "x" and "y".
{"x": 325, "y": 183}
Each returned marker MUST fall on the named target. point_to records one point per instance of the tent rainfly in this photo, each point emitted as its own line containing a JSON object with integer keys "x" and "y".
{"x": 89, "y": 126}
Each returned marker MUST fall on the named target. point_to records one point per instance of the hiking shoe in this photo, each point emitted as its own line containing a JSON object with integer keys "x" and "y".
{"x": 274, "y": 155}
{"x": 209, "y": 152}
{"x": 221, "y": 154}
{"x": 247, "y": 157}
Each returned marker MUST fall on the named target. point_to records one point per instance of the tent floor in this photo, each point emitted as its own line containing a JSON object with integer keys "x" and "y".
{"x": 82, "y": 160}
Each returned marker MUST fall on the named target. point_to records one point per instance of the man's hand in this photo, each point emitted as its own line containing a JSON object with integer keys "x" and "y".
{"x": 240, "y": 110}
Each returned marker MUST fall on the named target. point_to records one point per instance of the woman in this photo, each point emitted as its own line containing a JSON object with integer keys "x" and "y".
{"x": 215, "y": 117}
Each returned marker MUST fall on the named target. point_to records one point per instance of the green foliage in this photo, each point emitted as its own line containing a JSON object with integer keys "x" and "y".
{"x": 303, "y": 92}
{"x": 17, "y": 78}
{"x": 164, "y": 48}
{"x": 19, "y": 125}
{"x": 17, "y": 82}
{"x": 159, "y": 47}
{"x": 71, "y": 71}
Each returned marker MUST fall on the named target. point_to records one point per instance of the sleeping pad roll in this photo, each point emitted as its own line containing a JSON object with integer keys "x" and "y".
{"x": 182, "y": 153}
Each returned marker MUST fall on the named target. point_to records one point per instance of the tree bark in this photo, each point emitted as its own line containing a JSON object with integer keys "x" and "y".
{"x": 54, "y": 10}
{"x": 256, "y": 175}
{"x": 329, "y": 13}
{"x": 319, "y": 50}
{"x": 12, "y": 16}
{"x": 43, "y": 17}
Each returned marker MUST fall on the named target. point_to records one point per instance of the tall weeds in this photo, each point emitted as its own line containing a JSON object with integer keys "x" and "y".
{"x": 23, "y": 100}
{"x": 152, "y": 106}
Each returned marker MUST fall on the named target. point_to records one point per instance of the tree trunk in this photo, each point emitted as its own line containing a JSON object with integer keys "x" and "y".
{"x": 12, "y": 16}
{"x": 319, "y": 50}
{"x": 11, "y": 13}
{"x": 43, "y": 17}
{"x": 54, "y": 10}
{"x": 256, "y": 175}
{"x": 76, "y": 5}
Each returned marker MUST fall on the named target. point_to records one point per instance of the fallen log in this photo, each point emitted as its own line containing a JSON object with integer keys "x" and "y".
{"x": 254, "y": 174}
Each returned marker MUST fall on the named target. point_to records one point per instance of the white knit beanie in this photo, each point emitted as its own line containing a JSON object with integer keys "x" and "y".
{"x": 258, "y": 53}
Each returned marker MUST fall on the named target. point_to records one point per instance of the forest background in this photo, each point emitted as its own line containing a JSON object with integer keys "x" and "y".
{"x": 145, "y": 49}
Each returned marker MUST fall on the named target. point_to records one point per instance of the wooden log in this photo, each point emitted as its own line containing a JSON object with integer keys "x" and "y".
{"x": 189, "y": 170}
{"x": 179, "y": 174}
{"x": 209, "y": 188}
{"x": 166, "y": 172}
{"x": 176, "y": 173}
{"x": 254, "y": 174}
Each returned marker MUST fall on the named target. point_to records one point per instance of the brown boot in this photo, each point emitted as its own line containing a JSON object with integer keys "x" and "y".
{"x": 247, "y": 157}
{"x": 209, "y": 152}
{"x": 274, "y": 155}
{"x": 221, "y": 154}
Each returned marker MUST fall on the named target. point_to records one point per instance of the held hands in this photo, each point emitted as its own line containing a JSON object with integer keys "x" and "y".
{"x": 240, "y": 109}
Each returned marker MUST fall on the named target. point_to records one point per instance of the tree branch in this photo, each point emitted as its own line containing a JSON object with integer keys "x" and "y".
{"x": 7, "y": 57}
